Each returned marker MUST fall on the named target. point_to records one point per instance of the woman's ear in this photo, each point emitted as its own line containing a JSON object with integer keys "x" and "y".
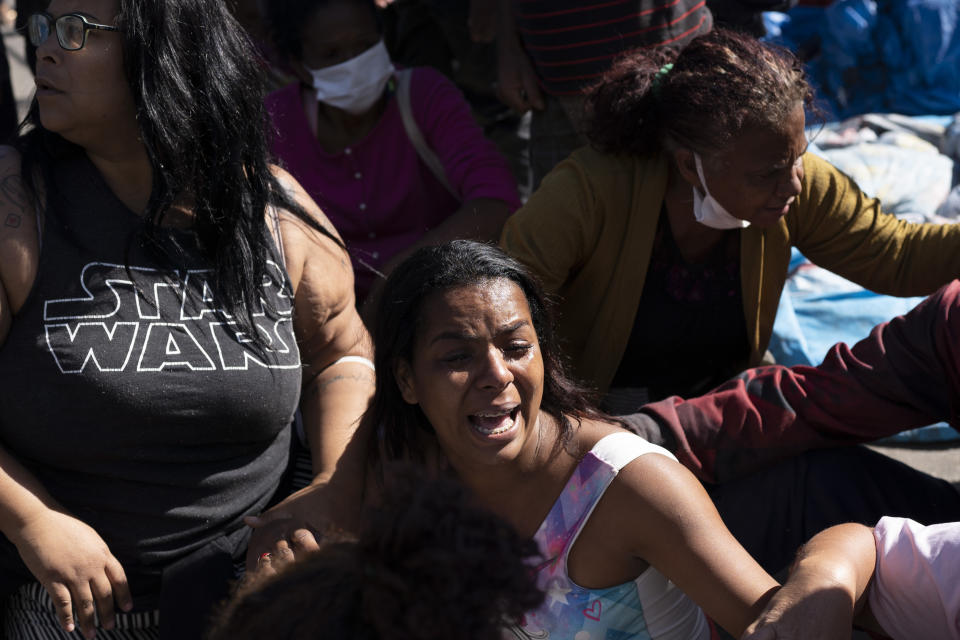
{"x": 683, "y": 159}
{"x": 404, "y": 377}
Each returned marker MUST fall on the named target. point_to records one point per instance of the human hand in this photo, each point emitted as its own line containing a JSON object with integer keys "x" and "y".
{"x": 516, "y": 79}
{"x": 76, "y": 568}
{"x": 290, "y": 530}
{"x": 383, "y": 4}
{"x": 807, "y": 607}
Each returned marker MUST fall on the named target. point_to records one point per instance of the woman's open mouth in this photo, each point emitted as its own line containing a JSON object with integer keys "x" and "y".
{"x": 494, "y": 422}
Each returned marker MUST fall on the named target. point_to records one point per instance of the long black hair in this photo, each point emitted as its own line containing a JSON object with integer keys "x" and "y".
{"x": 399, "y": 427}
{"x": 198, "y": 93}
{"x": 428, "y": 565}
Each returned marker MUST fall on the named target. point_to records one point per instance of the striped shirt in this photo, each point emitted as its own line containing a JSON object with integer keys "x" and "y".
{"x": 572, "y": 43}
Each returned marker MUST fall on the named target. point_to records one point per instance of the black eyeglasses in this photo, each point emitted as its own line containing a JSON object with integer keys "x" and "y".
{"x": 71, "y": 29}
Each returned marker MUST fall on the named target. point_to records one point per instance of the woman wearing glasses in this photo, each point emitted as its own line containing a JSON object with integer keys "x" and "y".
{"x": 166, "y": 295}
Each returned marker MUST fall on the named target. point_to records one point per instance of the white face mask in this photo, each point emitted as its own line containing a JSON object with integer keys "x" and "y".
{"x": 708, "y": 211}
{"x": 354, "y": 85}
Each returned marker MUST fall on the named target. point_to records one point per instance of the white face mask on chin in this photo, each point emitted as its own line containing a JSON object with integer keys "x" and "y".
{"x": 354, "y": 85}
{"x": 708, "y": 211}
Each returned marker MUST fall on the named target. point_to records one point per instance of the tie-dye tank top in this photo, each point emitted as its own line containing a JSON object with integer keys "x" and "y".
{"x": 649, "y": 607}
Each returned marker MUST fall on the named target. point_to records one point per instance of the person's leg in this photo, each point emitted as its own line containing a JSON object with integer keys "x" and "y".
{"x": 553, "y": 137}
{"x": 13, "y": 575}
{"x": 773, "y": 512}
{"x": 29, "y": 614}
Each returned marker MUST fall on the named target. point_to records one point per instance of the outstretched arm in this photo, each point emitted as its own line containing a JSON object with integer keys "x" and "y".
{"x": 826, "y": 590}
{"x": 905, "y": 374}
{"x": 338, "y": 385}
{"x": 663, "y": 515}
{"x": 841, "y": 229}
{"x": 517, "y": 85}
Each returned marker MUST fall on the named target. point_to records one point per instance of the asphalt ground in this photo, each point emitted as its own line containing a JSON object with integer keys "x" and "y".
{"x": 941, "y": 460}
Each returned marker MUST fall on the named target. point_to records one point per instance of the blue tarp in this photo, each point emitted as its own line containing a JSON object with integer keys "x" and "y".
{"x": 819, "y": 308}
{"x": 899, "y": 56}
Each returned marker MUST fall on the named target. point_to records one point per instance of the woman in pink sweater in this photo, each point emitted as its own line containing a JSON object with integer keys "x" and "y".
{"x": 341, "y": 133}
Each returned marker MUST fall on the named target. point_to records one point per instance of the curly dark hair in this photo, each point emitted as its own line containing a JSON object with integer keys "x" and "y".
{"x": 399, "y": 428}
{"x": 720, "y": 84}
{"x": 428, "y": 565}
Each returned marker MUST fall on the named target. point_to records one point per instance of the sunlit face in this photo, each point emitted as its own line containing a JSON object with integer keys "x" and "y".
{"x": 83, "y": 95}
{"x": 758, "y": 177}
{"x": 337, "y": 32}
{"x": 477, "y": 373}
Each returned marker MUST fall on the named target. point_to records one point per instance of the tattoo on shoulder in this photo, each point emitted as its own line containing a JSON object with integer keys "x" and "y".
{"x": 12, "y": 190}
{"x": 355, "y": 377}
{"x": 13, "y": 221}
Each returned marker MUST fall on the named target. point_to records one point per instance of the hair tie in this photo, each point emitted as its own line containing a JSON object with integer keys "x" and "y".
{"x": 658, "y": 78}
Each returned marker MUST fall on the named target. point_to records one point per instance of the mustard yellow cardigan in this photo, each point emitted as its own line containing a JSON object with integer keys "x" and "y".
{"x": 588, "y": 233}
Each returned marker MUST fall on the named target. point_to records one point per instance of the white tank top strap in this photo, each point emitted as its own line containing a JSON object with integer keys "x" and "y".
{"x": 620, "y": 449}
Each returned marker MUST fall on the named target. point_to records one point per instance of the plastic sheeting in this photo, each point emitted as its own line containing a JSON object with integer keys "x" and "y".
{"x": 897, "y": 56}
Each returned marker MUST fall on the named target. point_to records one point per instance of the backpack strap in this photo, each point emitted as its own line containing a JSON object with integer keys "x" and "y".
{"x": 413, "y": 131}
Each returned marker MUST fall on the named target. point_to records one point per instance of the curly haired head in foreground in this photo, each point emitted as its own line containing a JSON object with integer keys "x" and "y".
{"x": 428, "y": 565}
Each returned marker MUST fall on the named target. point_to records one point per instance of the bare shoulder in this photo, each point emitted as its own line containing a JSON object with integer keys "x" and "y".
{"x": 307, "y": 249}
{"x": 653, "y": 479}
{"x": 326, "y": 321}
{"x": 650, "y": 494}
{"x": 19, "y": 239}
{"x": 642, "y": 475}
{"x": 14, "y": 202}
{"x": 654, "y": 475}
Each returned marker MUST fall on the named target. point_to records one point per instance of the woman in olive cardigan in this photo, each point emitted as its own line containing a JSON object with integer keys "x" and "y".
{"x": 667, "y": 242}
